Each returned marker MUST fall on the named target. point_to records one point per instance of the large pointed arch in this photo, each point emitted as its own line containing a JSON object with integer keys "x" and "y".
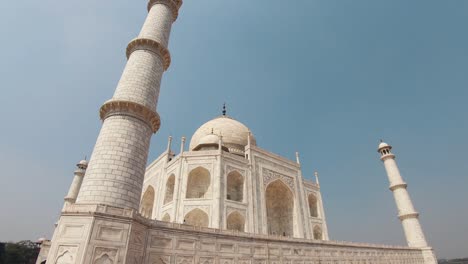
{"x": 196, "y": 217}
{"x": 280, "y": 209}
{"x": 147, "y": 203}
{"x": 198, "y": 183}
{"x": 235, "y": 221}
{"x": 313, "y": 208}
{"x": 235, "y": 186}
{"x": 169, "y": 195}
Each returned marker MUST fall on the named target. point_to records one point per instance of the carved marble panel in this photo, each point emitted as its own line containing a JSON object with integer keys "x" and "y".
{"x": 260, "y": 261}
{"x": 104, "y": 255}
{"x": 160, "y": 259}
{"x": 224, "y": 247}
{"x": 72, "y": 231}
{"x": 244, "y": 261}
{"x": 226, "y": 261}
{"x": 186, "y": 244}
{"x": 109, "y": 233}
{"x": 259, "y": 250}
{"x": 206, "y": 260}
{"x": 66, "y": 254}
{"x": 180, "y": 259}
{"x": 160, "y": 242}
{"x": 208, "y": 246}
{"x": 243, "y": 249}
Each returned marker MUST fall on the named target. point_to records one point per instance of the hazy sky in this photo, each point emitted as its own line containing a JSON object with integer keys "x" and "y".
{"x": 325, "y": 78}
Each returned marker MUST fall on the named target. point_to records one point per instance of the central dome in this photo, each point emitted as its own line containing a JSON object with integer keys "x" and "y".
{"x": 234, "y": 134}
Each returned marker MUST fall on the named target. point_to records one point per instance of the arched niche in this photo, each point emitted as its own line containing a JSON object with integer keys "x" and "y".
{"x": 235, "y": 186}
{"x": 147, "y": 203}
{"x": 318, "y": 232}
{"x": 196, "y": 217}
{"x": 166, "y": 218}
{"x": 169, "y": 195}
{"x": 65, "y": 258}
{"x": 313, "y": 208}
{"x": 104, "y": 259}
{"x": 280, "y": 209}
{"x": 235, "y": 221}
{"x": 198, "y": 183}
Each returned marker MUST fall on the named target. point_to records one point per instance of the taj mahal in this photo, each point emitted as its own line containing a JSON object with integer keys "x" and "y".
{"x": 219, "y": 199}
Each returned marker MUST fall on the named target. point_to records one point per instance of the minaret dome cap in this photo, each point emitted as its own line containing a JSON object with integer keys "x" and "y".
{"x": 383, "y": 145}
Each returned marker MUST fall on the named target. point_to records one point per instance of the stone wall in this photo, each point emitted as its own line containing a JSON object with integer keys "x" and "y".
{"x": 124, "y": 236}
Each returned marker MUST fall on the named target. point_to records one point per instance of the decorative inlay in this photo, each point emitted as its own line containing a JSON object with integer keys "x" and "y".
{"x": 150, "y": 45}
{"x": 120, "y": 107}
{"x": 230, "y": 169}
{"x": 269, "y": 176}
{"x": 172, "y": 4}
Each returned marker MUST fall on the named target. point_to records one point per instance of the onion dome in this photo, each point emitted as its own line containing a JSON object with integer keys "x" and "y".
{"x": 234, "y": 134}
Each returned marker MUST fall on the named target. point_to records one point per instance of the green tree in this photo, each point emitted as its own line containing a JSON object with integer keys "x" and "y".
{"x": 23, "y": 252}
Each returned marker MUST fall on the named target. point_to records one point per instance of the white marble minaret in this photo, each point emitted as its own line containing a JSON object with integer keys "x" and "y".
{"x": 129, "y": 118}
{"x": 408, "y": 216}
{"x": 114, "y": 177}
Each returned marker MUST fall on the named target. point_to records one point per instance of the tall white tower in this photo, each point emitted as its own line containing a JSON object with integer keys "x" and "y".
{"x": 113, "y": 181}
{"x": 129, "y": 119}
{"x": 406, "y": 213}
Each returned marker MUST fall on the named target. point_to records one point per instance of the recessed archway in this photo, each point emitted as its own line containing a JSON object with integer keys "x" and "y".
{"x": 196, "y": 217}
{"x": 235, "y": 186}
{"x": 318, "y": 233}
{"x": 198, "y": 183}
{"x": 147, "y": 203}
{"x": 313, "y": 205}
{"x": 235, "y": 221}
{"x": 166, "y": 218}
{"x": 169, "y": 195}
{"x": 280, "y": 209}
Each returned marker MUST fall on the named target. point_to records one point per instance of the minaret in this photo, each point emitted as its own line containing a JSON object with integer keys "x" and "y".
{"x": 129, "y": 119}
{"x": 406, "y": 212}
{"x": 76, "y": 183}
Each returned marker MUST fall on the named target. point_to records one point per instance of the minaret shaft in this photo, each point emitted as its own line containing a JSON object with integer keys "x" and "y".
{"x": 406, "y": 212}
{"x": 76, "y": 184}
{"x": 117, "y": 166}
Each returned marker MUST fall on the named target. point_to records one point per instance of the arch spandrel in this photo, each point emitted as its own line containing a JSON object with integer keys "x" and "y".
{"x": 270, "y": 176}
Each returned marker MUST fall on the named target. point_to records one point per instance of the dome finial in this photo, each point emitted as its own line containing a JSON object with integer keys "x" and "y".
{"x": 224, "y": 109}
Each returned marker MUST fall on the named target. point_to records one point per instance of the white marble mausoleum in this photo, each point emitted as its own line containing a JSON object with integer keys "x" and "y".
{"x": 224, "y": 200}
{"x": 224, "y": 180}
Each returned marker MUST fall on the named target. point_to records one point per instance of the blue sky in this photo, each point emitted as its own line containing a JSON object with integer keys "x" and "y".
{"x": 325, "y": 78}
